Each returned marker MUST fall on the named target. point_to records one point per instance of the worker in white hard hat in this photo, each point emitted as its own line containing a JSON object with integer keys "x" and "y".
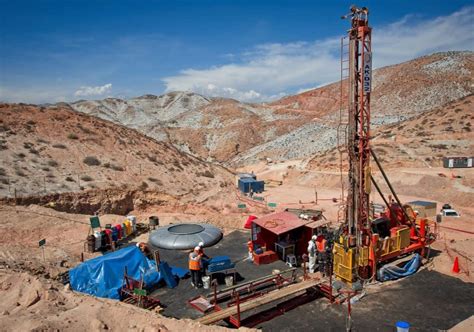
{"x": 195, "y": 265}
{"x": 145, "y": 249}
{"x": 312, "y": 254}
{"x": 201, "y": 250}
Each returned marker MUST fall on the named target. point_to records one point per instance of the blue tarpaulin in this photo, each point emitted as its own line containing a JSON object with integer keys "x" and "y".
{"x": 103, "y": 276}
{"x": 394, "y": 272}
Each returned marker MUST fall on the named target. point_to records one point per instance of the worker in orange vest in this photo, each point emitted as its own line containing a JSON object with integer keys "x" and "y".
{"x": 195, "y": 267}
{"x": 250, "y": 249}
{"x": 322, "y": 256}
{"x": 145, "y": 250}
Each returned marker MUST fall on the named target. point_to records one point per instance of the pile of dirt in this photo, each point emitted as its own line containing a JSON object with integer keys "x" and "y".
{"x": 30, "y": 303}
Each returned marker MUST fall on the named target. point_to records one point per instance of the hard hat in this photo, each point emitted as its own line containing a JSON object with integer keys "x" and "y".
{"x": 314, "y": 237}
{"x": 197, "y": 248}
{"x": 201, "y": 244}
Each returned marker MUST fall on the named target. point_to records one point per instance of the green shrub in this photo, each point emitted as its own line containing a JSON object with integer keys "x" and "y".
{"x": 59, "y": 146}
{"x": 86, "y": 178}
{"x": 91, "y": 161}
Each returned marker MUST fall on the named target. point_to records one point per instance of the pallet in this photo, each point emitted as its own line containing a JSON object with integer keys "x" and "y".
{"x": 272, "y": 296}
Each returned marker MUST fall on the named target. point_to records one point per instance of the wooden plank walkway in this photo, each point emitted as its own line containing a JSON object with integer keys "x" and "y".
{"x": 265, "y": 299}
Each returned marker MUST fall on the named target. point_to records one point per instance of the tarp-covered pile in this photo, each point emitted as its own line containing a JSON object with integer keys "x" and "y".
{"x": 393, "y": 272}
{"x": 103, "y": 276}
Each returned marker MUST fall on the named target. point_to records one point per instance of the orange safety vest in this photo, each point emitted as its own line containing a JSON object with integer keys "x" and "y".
{"x": 321, "y": 245}
{"x": 194, "y": 261}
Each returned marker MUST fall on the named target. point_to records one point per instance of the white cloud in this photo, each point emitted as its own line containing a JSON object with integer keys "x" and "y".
{"x": 272, "y": 70}
{"x": 86, "y": 91}
{"x": 33, "y": 95}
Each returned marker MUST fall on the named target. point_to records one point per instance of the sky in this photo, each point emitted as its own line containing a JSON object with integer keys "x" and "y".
{"x": 52, "y": 51}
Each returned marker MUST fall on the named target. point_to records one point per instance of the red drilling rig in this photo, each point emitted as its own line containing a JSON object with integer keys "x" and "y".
{"x": 367, "y": 241}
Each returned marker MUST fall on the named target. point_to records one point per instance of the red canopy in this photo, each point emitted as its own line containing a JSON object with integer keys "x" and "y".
{"x": 281, "y": 222}
{"x": 248, "y": 223}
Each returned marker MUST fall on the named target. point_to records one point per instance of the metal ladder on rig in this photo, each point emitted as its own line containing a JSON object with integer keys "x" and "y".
{"x": 343, "y": 120}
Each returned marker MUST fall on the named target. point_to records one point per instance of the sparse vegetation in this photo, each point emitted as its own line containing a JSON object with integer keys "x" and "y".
{"x": 154, "y": 180}
{"x": 59, "y": 146}
{"x": 143, "y": 186}
{"x": 72, "y": 136}
{"x": 20, "y": 173}
{"x": 70, "y": 179}
{"x": 439, "y": 146}
{"x": 2, "y": 172}
{"x": 206, "y": 173}
{"x": 33, "y": 151}
{"x": 85, "y": 130}
{"x": 21, "y": 155}
{"x": 151, "y": 158}
{"x": 40, "y": 140}
{"x": 91, "y": 161}
{"x": 113, "y": 166}
{"x": 52, "y": 163}
{"x": 86, "y": 178}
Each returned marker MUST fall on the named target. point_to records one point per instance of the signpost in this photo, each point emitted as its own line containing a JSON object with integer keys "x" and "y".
{"x": 139, "y": 292}
{"x": 41, "y": 244}
{"x": 241, "y": 206}
{"x": 367, "y": 72}
{"x": 95, "y": 222}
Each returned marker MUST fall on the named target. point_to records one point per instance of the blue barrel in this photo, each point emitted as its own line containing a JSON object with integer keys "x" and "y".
{"x": 114, "y": 234}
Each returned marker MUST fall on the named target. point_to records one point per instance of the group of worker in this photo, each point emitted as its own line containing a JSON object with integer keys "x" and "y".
{"x": 196, "y": 265}
{"x": 318, "y": 254}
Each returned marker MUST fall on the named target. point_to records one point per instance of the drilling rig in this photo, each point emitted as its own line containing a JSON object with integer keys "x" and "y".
{"x": 366, "y": 241}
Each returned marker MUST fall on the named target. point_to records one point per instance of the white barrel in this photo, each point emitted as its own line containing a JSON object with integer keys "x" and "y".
{"x": 98, "y": 240}
{"x": 229, "y": 281}
{"x": 133, "y": 220}
{"x": 206, "y": 282}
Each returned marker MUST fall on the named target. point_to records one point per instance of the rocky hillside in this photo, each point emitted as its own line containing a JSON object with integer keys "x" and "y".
{"x": 213, "y": 129}
{"x": 400, "y": 92}
{"x": 55, "y": 149}
{"x": 421, "y": 141}
{"x": 293, "y": 127}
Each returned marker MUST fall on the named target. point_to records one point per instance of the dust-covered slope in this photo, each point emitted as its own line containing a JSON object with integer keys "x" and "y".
{"x": 56, "y": 149}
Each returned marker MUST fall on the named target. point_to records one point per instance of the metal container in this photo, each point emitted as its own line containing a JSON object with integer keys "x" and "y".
{"x": 247, "y": 185}
{"x": 154, "y": 221}
{"x": 91, "y": 243}
{"x": 458, "y": 162}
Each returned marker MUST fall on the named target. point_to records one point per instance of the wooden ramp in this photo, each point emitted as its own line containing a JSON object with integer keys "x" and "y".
{"x": 265, "y": 299}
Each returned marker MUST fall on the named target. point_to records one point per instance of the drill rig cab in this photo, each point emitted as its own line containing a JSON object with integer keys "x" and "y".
{"x": 366, "y": 241}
